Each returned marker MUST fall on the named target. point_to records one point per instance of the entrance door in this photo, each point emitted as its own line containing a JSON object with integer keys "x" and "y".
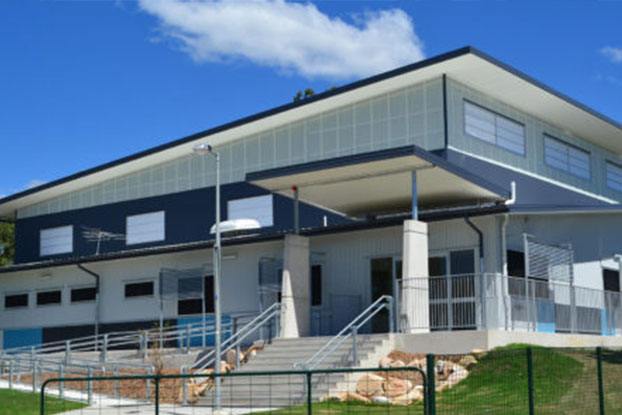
{"x": 381, "y": 284}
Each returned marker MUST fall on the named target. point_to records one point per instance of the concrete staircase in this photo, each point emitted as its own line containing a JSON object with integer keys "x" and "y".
{"x": 279, "y": 391}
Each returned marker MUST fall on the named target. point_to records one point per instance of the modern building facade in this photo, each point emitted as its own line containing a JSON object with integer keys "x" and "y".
{"x": 475, "y": 196}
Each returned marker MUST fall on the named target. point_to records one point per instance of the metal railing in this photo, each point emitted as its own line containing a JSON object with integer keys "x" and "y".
{"x": 269, "y": 319}
{"x": 498, "y": 302}
{"x": 351, "y": 331}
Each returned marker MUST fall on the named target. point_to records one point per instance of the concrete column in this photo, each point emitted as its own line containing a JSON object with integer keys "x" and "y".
{"x": 415, "y": 314}
{"x": 296, "y": 288}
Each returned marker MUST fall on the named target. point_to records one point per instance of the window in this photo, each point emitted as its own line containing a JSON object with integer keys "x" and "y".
{"x": 614, "y": 176}
{"x": 494, "y": 128}
{"x": 148, "y": 227}
{"x": 258, "y": 208}
{"x": 566, "y": 157}
{"x": 139, "y": 289}
{"x": 49, "y": 297}
{"x": 16, "y": 300}
{"x": 611, "y": 280}
{"x": 316, "y": 285}
{"x": 56, "y": 241}
{"x": 79, "y": 295}
{"x": 195, "y": 305}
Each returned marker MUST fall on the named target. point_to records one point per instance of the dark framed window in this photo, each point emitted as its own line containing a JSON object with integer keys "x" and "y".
{"x": 79, "y": 295}
{"x": 49, "y": 297}
{"x": 611, "y": 280}
{"x": 139, "y": 289}
{"x": 15, "y": 300}
{"x": 195, "y": 305}
{"x": 566, "y": 157}
{"x": 316, "y": 285}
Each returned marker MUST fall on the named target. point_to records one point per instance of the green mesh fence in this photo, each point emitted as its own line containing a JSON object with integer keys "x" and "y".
{"x": 509, "y": 380}
{"x": 335, "y": 391}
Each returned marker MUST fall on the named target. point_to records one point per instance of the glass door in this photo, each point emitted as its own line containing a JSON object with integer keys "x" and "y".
{"x": 382, "y": 283}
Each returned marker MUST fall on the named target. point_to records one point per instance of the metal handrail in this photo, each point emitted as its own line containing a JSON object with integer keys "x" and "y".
{"x": 236, "y": 339}
{"x": 385, "y": 301}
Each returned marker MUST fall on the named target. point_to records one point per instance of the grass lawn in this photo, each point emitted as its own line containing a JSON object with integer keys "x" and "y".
{"x": 21, "y": 403}
{"x": 565, "y": 382}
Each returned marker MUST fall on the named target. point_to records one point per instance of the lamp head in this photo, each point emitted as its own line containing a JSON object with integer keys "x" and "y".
{"x": 202, "y": 149}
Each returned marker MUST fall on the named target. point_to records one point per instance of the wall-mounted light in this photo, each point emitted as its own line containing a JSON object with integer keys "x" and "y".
{"x": 229, "y": 257}
{"x": 46, "y": 276}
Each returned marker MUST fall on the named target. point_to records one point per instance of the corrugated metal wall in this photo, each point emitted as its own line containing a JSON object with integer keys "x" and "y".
{"x": 533, "y": 161}
{"x": 410, "y": 116}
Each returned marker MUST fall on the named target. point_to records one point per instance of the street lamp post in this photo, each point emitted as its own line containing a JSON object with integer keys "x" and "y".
{"x": 206, "y": 149}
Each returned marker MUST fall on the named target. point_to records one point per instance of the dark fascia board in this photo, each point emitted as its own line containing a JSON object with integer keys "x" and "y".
{"x": 318, "y": 97}
{"x": 555, "y": 209}
{"x": 404, "y": 151}
{"x": 432, "y": 216}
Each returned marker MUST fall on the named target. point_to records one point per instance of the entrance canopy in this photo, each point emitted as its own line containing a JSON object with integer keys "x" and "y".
{"x": 381, "y": 182}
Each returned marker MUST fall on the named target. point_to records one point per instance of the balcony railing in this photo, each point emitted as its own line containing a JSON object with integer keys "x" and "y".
{"x": 497, "y": 302}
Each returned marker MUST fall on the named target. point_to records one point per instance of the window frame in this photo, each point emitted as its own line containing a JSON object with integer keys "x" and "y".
{"x": 208, "y": 297}
{"x": 71, "y": 247}
{"x": 48, "y": 291}
{"x": 496, "y": 115}
{"x": 16, "y": 293}
{"x": 136, "y": 282}
{"x": 616, "y": 166}
{"x": 568, "y": 171}
{"x": 150, "y": 241}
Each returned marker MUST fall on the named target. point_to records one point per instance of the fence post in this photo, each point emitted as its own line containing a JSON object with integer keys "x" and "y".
{"x": 103, "y": 353}
{"x": 530, "y": 391}
{"x": 117, "y": 383}
{"x": 67, "y": 351}
{"x": 187, "y": 338}
{"x": 42, "y": 399}
{"x": 184, "y": 387}
{"x": 148, "y": 385}
{"x": 354, "y": 346}
{"x": 89, "y": 386}
{"x": 601, "y": 386}
{"x": 391, "y": 306}
{"x": 430, "y": 375}
{"x": 10, "y": 374}
{"x": 61, "y": 385}
{"x": 34, "y": 375}
{"x": 309, "y": 395}
{"x": 157, "y": 395}
{"x": 143, "y": 344}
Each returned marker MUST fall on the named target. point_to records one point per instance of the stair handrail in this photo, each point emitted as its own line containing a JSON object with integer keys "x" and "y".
{"x": 385, "y": 301}
{"x": 240, "y": 335}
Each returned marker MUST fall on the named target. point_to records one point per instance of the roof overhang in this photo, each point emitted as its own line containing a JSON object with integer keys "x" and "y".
{"x": 380, "y": 182}
{"x": 467, "y": 65}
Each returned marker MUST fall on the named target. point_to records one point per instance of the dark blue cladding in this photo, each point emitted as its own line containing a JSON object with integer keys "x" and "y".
{"x": 189, "y": 216}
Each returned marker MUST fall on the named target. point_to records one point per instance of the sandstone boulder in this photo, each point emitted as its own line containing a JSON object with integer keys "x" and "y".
{"x": 385, "y": 362}
{"x": 413, "y": 395}
{"x": 397, "y": 363}
{"x": 396, "y": 387}
{"x": 467, "y": 361}
{"x": 369, "y": 385}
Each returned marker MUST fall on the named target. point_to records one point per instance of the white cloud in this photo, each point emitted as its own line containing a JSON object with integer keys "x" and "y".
{"x": 289, "y": 36}
{"x": 612, "y": 53}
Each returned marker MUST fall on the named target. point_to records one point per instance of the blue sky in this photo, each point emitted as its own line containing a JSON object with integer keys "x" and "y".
{"x": 85, "y": 82}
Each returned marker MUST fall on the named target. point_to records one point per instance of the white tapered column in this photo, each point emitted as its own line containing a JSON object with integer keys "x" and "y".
{"x": 296, "y": 288}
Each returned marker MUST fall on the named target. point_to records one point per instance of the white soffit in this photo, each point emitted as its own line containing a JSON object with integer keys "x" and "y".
{"x": 380, "y": 185}
{"x": 467, "y": 68}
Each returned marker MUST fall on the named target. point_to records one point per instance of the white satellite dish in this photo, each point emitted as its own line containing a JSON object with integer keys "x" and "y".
{"x": 237, "y": 225}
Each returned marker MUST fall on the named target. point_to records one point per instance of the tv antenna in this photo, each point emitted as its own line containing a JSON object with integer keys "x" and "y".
{"x": 97, "y": 235}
